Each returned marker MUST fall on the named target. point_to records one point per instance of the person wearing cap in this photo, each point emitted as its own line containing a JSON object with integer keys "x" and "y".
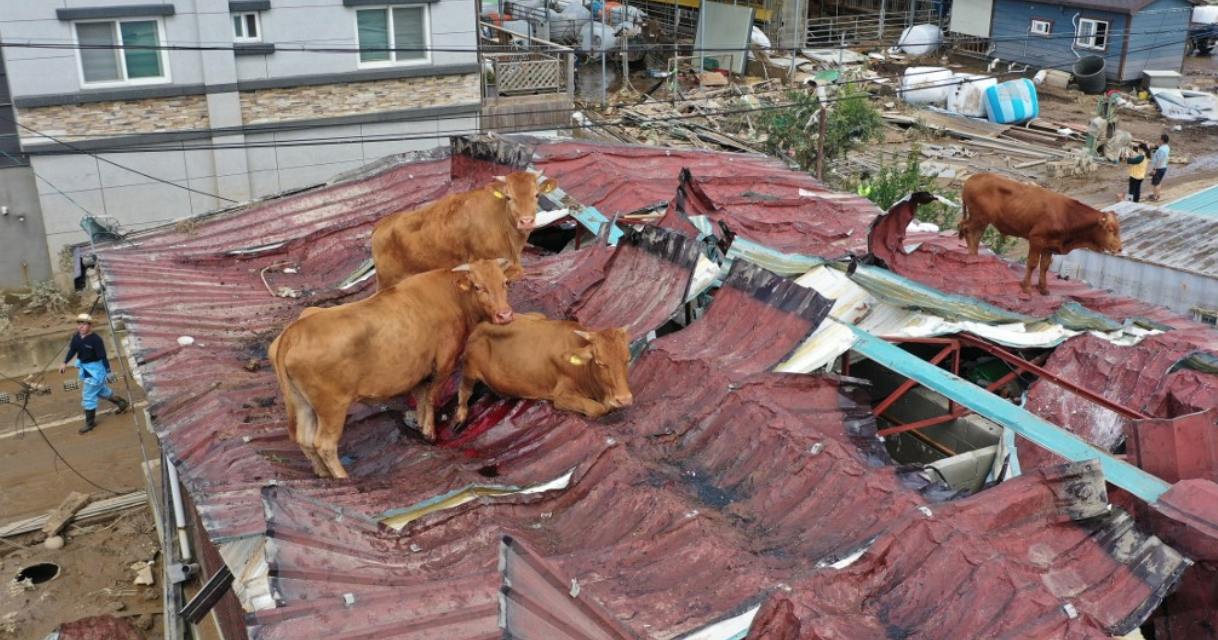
{"x": 90, "y": 352}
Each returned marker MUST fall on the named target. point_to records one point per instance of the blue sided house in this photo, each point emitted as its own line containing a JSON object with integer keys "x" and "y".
{"x": 1129, "y": 35}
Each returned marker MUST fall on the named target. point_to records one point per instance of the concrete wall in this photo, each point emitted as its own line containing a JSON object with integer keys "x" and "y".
{"x": 23, "y": 252}
{"x": 229, "y": 124}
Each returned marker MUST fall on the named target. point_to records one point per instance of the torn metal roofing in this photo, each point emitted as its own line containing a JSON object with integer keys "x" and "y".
{"x": 722, "y": 482}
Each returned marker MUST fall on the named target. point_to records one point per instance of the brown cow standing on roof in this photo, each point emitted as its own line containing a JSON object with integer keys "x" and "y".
{"x": 405, "y": 338}
{"x": 483, "y": 224}
{"x": 1052, "y": 223}
{"x": 555, "y": 360}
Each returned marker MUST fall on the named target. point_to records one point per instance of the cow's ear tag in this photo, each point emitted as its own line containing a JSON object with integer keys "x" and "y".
{"x": 498, "y": 193}
{"x": 575, "y": 359}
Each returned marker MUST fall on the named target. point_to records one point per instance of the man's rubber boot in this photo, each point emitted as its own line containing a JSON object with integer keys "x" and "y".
{"x": 122, "y": 404}
{"x": 90, "y": 420}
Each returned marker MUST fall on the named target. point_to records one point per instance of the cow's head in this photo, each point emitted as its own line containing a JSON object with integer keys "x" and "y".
{"x": 485, "y": 283}
{"x": 519, "y": 191}
{"x": 1108, "y": 235}
{"x": 606, "y": 355}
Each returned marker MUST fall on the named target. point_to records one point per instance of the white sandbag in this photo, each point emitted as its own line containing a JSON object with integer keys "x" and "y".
{"x": 967, "y": 96}
{"x": 920, "y": 39}
{"x": 926, "y": 85}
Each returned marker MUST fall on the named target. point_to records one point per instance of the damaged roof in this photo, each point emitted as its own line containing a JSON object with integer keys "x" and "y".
{"x": 725, "y": 485}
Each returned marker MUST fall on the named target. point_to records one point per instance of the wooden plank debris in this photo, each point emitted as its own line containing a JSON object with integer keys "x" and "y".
{"x": 94, "y": 510}
{"x": 59, "y": 518}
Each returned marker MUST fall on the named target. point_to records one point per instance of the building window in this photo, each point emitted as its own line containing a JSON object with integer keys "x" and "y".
{"x": 1092, "y": 34}
{"x": 245, "y": 27}
{"x": 1205, "y": 316}
{"x": 1042, "y": 27}
{"x": 121, "y": 51}
{"x": 396, "y": 35}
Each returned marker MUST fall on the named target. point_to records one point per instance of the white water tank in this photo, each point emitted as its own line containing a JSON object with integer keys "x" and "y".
{"x": 920, "y": 39}
{"x": 926, "y": 85}
{"x": 967, "y": 96}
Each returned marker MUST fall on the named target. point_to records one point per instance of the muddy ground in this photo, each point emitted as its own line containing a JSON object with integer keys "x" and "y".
{"x": 43, "y": 458}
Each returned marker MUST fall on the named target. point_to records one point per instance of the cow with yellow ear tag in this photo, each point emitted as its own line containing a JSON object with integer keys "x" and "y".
{"x": 484, "y": 224}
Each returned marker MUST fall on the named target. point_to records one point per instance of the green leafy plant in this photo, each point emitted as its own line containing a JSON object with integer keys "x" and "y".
{"x": 895, "y": 180}
{"x": 792, "y": 129}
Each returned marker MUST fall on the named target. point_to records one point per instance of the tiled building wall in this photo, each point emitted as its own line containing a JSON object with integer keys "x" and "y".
{"x": 358, "y": 98}
{"x": 70, "y": 122}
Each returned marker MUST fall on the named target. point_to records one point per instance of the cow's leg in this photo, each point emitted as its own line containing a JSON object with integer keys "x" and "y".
{"x": 1033, "y": 262}
{"x": 589, "y": 408}
{"x": 972, "y": 236}
{"x": 424, "y": 410}
{"x": 306, "y": 437}
{"x": 329, "y": 430}
{"x": 1046, "y": 261}
{"x": 469, "y": 378}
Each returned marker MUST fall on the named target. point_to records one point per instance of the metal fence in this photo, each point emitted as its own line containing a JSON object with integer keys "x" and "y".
{"x": 869, "y": 22}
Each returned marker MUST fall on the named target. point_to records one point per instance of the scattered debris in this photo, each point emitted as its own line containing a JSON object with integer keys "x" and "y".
{"x": 59, "y": 518}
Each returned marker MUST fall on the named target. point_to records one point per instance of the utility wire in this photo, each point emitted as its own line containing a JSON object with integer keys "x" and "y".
{"x": 98, "y": 157}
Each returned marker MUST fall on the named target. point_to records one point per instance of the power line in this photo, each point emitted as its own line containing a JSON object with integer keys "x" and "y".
{"x": 98, "y": 157}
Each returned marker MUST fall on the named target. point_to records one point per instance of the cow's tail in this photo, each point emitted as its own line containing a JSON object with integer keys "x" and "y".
{"x": 963, "y": 218}
{"x": 294, "y": 401}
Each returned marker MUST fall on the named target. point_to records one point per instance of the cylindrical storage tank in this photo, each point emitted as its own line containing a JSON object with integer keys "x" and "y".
{"x": 1089, "y": 75}
{"x": 967, "y": 96}
{"x": 926, "y": 85}
{"x": 920, "y": 39}
{"x": 1011, "y": 102}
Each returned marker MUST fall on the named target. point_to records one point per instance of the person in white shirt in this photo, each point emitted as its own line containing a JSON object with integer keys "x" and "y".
{"x": 1158, "y": 165}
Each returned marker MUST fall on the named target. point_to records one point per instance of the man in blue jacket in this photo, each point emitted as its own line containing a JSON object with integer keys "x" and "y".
{"x": 90, "y": 352}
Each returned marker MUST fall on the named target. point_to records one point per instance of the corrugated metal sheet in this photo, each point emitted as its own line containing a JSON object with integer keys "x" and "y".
{"x": 1171, "y": 236}
{"x": 721, "y": 481}
{"x": 1204, "y": 202}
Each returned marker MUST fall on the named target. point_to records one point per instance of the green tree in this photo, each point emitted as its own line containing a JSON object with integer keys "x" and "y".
{"x": 895, "y": 180}
{"x": 791, "y": 130}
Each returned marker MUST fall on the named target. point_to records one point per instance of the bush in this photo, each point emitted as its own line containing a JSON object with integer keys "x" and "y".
{"x": 791, "y": 131}
{"x": 895, "y": 181}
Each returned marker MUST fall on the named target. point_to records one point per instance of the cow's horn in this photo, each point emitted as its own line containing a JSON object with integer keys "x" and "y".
{"x": 501, "y": 178}
{"x": 464, "y": 267}
{"x": 584, "y": 334}
{"x": 503, "y": 262}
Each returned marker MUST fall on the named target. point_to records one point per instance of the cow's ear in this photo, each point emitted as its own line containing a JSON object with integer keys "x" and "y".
{"x": 548, "y": 186}
{"x": 579, "y": 357}
{"x": 497, "y": 192}
{"x": 513, "y": 273}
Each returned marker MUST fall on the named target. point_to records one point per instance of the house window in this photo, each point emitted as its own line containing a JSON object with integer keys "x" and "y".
{"x": 1205, "y": 316}
{"x": 245, "y": 27}
{"x": 1092, "y": 34}
{"x": 396, "y": 35}
{"x": 121, "y": 51}
{"x": 1042, "y": 27}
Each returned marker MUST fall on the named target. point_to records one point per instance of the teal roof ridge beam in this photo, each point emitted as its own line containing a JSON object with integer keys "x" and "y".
{"x": 783, "y": 264}
{"x": 591, "y": 219}
{"x": 1046, "y": 434}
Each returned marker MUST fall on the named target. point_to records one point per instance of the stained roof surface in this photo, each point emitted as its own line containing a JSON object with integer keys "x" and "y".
{"x": 723, "y": 487}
